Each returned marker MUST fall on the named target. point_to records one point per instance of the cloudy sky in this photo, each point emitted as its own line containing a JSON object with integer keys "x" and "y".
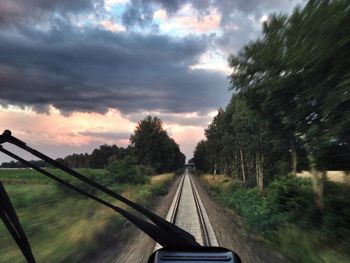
{"x": 77, "y": 74}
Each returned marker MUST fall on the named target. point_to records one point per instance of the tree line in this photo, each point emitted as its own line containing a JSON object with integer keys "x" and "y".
{"x": 150, "y": 146}
{"x": 290, "y": 108}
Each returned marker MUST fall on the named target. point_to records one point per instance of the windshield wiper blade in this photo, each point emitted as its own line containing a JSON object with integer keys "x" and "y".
{"x": 168, "y": 234}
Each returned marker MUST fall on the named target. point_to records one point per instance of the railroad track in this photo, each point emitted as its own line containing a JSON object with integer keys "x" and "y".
{"x": 187, "y": 211}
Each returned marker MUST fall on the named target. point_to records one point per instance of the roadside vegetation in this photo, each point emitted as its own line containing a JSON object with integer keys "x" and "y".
{"x": 63, "y": 226}
{"x": 289, "y": 112}
{"x": 285, "y": 217}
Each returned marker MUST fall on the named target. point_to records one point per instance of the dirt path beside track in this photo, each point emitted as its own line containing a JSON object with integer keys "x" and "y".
{"x": 231, "y": 234}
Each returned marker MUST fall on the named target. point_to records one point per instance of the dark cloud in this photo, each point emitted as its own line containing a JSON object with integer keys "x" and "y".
{"x": 239, "y": 18}
{"x": 17, "y": 12}
{"x": 140, "y": 12}
{"x": 88, "y": 69}
{"x": 92, "y": 70}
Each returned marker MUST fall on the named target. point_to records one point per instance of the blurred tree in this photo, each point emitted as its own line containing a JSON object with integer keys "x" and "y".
{"x": 297, "y": 76}
{"x": 200, "y": 157}
{"x": 291, "y": 97}
{"x": 99, "y": 157}
{"x": 153, "y": 146}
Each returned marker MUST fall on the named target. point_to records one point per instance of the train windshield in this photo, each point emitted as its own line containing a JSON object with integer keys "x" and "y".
{"x": 166, "y": 131}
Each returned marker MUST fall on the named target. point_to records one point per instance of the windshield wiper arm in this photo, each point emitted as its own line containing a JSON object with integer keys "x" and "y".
{"x": 156, "y": 233}
{"x": 164, "y": 232}
{"x": 10, "y": 219}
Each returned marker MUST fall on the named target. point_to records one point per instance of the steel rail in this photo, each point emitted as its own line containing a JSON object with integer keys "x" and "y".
{"x": 203, "y": 225}
{"x": 177, "y": 202}
{"x": 204, "y": 230}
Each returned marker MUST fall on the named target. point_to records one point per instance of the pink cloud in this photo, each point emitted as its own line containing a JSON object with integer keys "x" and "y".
{"x": 54, "y": 128}
{"x": 187, "y": 137}
{"x": 188, "y": 19}
{"x": 81, "y": 132}
{"x": 112, "y": 26}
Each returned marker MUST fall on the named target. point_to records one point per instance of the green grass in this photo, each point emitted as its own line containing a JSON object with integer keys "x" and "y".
{"x": 284, "y": 215}
{"x": 31, "y": 176}
{"x": 63, "y": 226}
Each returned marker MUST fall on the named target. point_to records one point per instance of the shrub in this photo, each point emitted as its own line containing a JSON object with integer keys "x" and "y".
{"x": 285, "y": 215}
{"x": 284, "y": 201}
{"x": 147, "y": 170}
{"x": 126, "y": 171}
{"x": 337, "y": 210}
{"x": 292, "y": 199}
{"x": 254, "y": 209}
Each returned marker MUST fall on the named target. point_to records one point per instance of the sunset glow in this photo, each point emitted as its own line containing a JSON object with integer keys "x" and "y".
{"x": 80, "y": 129}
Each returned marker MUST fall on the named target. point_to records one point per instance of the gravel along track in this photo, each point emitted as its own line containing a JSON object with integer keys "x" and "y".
{"x": 187, "y": 211}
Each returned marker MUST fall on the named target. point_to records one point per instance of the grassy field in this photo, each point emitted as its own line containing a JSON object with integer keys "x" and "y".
{"x": 31, "y": 176}
{"x": 63, "y": 226}
{"x": 284, "y": 216}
